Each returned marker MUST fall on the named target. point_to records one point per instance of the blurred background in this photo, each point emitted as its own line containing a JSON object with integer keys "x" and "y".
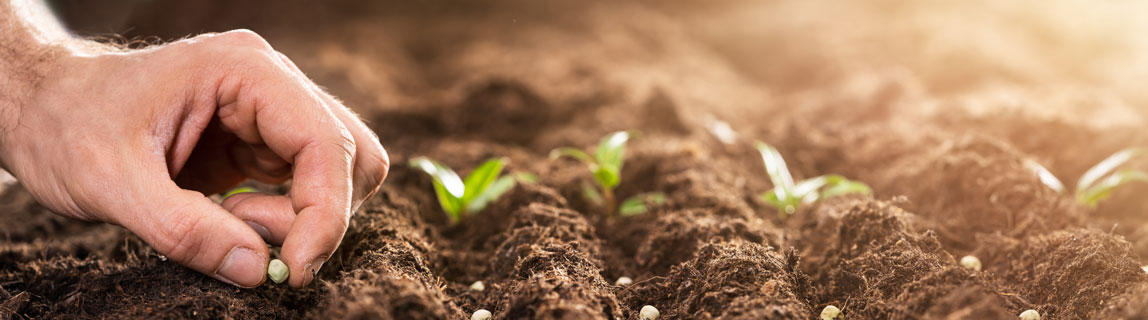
{"x": 1081, "y": 61}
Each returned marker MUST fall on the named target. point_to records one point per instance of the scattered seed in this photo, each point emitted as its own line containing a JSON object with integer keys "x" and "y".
{"x": 623, "y": 281}
{"x": 830, "y": 313}
{"x": 481, "y": 314}
{"x": 477, "y": 286}
{"x": 1030, "y": 315}
{"x": 971, "y": 263}
{"x": 1145, "y": 268}
{"x": 649, "y": 313}
{"x": 277, "y": 271}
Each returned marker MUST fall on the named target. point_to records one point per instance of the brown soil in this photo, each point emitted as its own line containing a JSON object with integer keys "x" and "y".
{"x": 475, "y": 84}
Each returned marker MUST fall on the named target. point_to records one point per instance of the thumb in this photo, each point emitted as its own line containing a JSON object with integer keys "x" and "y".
{"x": 194, "y": 231}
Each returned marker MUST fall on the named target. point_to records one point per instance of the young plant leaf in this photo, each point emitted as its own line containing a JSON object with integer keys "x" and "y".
{"x": 777, "y": 170}
{"x": 638, "y": 204}
{"x": 492, "y": 192}
{"x": 481, "y": 178}
{"x": 608, "y": 176}
{"x": 1103, "y": 189}
{"x": 845, "y": 186}
{"x": 573, "y": 153}
{"x": 448, "y": 187}
{"x": 612, "y": 150}
{"x": 591, "y": 193}
{"x": 1108, "y": 165}
{"x": 1046, "y": 177}
{"x": 525, "y": 177}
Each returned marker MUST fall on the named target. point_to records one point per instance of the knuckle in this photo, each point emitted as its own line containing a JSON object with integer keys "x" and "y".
{"x": 377, "y": 167}
{"x": 245, "y": 37}
{"x": 181, "y": 238}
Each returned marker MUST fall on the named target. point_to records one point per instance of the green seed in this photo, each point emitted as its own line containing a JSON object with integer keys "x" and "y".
{"x": 277, "y": 270}
{"x": 830, "y": 313}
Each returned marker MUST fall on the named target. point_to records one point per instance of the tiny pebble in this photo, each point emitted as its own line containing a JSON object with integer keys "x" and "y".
{"x": 277, "y": 271}
{"x": 971, "y": 263}
{"x": 481, "y": 314}
{"x": 477, "y": 286}
{"x": 830, "y": 313}
{"x": 623, "y": 281}
{"x": 1030, "y": 315}
{"x": 649, "y": 313}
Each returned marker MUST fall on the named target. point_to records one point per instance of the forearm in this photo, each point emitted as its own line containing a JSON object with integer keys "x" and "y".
{"x": 31, "y": 41}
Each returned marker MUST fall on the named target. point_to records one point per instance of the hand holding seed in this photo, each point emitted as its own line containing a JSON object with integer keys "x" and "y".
{"x": 136, "y": 138}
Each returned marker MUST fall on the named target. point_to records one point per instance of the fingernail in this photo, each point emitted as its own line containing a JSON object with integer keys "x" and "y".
{"x": 243, "y": 267}
{"x": 260, "y": 229}
{"x": 313, "y": 269}
{"x": 238, "y": 191}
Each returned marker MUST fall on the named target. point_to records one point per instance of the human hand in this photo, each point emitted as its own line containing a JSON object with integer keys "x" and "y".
{"x": 133, "y": 138}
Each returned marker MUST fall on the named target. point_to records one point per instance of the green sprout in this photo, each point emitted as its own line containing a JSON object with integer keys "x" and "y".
{"x": 1098, "y": 182}
{"x": 606, "y": 166}
{"x": 788, "y": 196}
{"x": 461, "y": 198}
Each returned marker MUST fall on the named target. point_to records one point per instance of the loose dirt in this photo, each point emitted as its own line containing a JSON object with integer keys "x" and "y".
{"x": 948, "y": 177}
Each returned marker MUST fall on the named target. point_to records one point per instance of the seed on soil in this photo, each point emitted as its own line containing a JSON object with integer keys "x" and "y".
{"x": 277, "y": 271}
{"x": 1145, "y": 268}
{"x": 623, "y": 281}
{"x": 481, "y": 314}
{"x": 971, "y": 263}
{"x": 477, "y": 286}
{"x": 1030, "y": 315}
{"x": 830, "y": 313}
{"x": 649, "y": 313}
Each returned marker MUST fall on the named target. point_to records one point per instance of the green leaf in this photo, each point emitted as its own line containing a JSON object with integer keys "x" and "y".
{"x": 638, "y": 204}
{"x": 1046, "y": 177}
{"x": 525, "y": 177}
{"x": 1108, "y": 165}
{"x": 1103, "y": 189}
{"x": 809, "y": 187}
{"x": 492, "y": 193}
{"x": 447, "y": 186}
{"x": 612, "y": 149}
{"x": 574, "y": 153}
{"x": 591, "y": 193}
{"x": 607, "y": 176}
{"x": 777, "y": 170}
{"x": 785, "y": 206}
{"x": 481, "y": 178}
{"x": 843, "y": 187}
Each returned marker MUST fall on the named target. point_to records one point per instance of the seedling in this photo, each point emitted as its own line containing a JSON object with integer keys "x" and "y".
{"x": 788, "y": 196}
{"x": 1098, "y": 182}
{"x": 277, "y": 271}
{"x": 606, "y": 166}
{"x": 461, "y": 198}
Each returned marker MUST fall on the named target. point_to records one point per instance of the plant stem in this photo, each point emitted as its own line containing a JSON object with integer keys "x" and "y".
{"x": 608, "y": 200}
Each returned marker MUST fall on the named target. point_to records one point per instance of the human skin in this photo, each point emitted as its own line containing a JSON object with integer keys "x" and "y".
{"x": 137, "y": 137}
